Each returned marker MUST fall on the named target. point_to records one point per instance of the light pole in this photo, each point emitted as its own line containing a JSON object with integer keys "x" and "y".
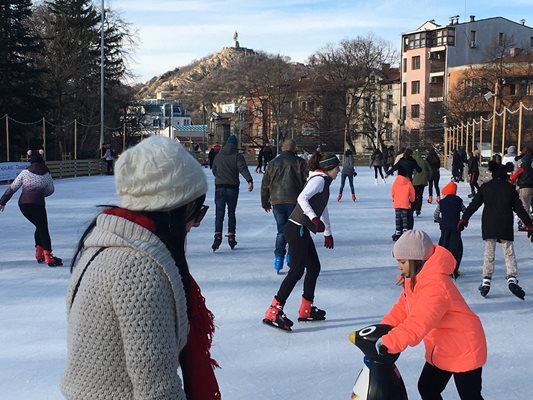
{"x": 102, "y": 17}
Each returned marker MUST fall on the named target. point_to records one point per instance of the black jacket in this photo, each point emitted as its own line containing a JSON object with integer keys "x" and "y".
{"x": 227, "y": 165}
{"x": 408, "y": 164}
{"x": 500, "y": 199}
{"x": 525, "y": 180}
{"x": 448, "y": 212}
{"x": 283, "y": 180}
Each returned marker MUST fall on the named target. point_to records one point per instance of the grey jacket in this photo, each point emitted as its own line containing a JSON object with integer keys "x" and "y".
{"x": 227, "y": 165}
{"x": 128, "y": 321}
{"x": 348, "y": 165}
{"x": 283, "y": 180}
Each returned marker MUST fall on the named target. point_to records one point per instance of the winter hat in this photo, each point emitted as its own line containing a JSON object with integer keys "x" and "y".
{"x": 413, "y": 245}
{"x": 328, "y": 161}
{"x": 36, "y": 156}
{"x": 158, "y": 174}
{"x": 511, "y": 150}
{"x": 232, "y": 139}
{"x": 450, "y": 188}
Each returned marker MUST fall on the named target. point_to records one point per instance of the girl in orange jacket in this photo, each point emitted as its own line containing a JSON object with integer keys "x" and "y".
{"x": 403, "y": 194}
{"x": 431, "y": 308}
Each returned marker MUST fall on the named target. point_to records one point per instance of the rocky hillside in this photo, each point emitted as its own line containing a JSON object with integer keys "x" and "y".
{"x": 183, "y": 81}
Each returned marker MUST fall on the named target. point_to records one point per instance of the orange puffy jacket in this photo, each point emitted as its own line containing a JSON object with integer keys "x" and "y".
{"x": 402, "y": 192}
{"x": 436, "y": 312}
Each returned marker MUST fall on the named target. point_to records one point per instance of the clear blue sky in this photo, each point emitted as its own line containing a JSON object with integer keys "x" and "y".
{"x": 172, "y": 33}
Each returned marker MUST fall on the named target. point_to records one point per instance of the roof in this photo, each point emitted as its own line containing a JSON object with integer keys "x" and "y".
{"x": 189, "y": 128}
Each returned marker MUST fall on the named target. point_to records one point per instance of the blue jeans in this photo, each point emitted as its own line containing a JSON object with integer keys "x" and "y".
{"x": 226, "y": 196}
{"x": 350, "y": 181}
{"x": 281, "y": 215}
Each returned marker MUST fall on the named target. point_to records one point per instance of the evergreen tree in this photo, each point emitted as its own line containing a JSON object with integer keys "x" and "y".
{"x": 20, "y": 88}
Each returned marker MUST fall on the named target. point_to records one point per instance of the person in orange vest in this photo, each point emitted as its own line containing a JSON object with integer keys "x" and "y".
{"x": 431, "y": 309}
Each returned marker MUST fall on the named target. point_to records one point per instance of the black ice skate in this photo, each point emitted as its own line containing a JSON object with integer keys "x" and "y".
{"x": 484, "y": 287}
{"x": 316, "y": 314}
{"x": 217, "y": 241}
{"x": 515, "y": 289}
{"x": 231, "y": 240}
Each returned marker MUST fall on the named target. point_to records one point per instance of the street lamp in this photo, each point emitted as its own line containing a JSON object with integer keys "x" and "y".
{"x": 102, "y": 17}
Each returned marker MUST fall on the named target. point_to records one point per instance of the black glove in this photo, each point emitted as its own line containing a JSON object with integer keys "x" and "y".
{"x": 462, "y": 224}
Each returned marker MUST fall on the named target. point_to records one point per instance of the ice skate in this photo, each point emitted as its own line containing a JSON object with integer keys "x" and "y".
{"x": 515, "y": 288}
{"x": 39, "y": 254}
{"x": 217, "y": 241}
{"x": 278, "y": 264}
{"x": 353, "y": 197}
{"x": 339, "y": 197}
{"x": 51, "y": 260}
{"x": 231, "y": 240}
{"x": 275, "y": 317}
{"x": 438, "y": 199}
{"x": 430, "y": 199}
{"x": 485, "y": 286}
{"x": 308, "y": 312}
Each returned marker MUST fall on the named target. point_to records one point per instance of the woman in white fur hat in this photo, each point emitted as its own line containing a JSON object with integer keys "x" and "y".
{"x": 135, "y": 314}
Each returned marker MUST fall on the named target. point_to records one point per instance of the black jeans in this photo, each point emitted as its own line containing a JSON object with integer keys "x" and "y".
{"x": 376, "y": 169}
{"x": 304, "y": 258}
{"x": 36, "y": 214}
{"x": 434, "y": 179}
{"x": 433, "y": 381}
{"x": 419, "y": 196}
{"x": 451, "y": 239}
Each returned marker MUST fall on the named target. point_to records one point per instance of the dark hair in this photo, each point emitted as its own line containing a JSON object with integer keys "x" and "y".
{"x": 408, "y": 152}
{"x": 348, "y": 152}
{"x": 414, "y": 268}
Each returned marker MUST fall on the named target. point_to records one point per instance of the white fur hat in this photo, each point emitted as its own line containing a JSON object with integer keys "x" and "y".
{"x": 158, "y": 174}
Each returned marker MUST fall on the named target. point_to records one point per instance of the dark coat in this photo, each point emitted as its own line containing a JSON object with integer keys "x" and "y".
{"x": 448, "y": 212}
{"x": 525, "y": 180}
{"x": 283, "y": 180}
{"x": 227, "y": 165}
{"x": 501, "y": 200}
{"x": 408, "y": 164}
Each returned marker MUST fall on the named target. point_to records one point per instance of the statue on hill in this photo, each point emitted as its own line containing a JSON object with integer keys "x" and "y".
{"x": 236, "y": 40}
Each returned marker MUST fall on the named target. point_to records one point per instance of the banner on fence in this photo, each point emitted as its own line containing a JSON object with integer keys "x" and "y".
{"x": 10, "y": 170}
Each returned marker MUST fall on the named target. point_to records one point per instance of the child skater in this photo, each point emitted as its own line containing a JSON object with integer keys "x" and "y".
{"x": 448, "y": 214}
{"x": 403, "y": 194}
{"x": 348, "y": 171}
{"x": 309, "y": 215}
{"x": 431, "y": 308}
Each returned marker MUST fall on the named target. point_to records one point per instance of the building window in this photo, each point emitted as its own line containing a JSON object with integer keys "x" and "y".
{"x": 512, "y": 89}
{"x": 415, "y": 62}
{"x": 415, "y": 111}
{"x": 405, "y": 61}
{"x": 501, "y": 38}
{"x": 531, "y": 41}
{"x": 473, "y": 39}
{"x": 404, "y": 89}
{"x": 390, "y": 102}
{"x": 404, "y": 112}
{"x": 415, "y": 87}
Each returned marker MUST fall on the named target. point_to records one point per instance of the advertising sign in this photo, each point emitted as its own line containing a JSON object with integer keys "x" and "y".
{"x": 10, "y": 170}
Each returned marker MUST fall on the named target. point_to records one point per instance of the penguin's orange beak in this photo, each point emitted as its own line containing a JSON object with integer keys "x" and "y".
{"x": 351, "y": 337}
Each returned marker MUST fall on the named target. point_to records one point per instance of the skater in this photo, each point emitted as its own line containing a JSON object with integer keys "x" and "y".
{"x": 109, "y": 158}
{"x": 259, "y": 168}
{"x": 510, "y": 157}
{"x": 37, "y": 183}
{"x": 473, "y": 172}
{"x": 500, "y": 200}
{"x": 212, "y": 154}
{"x": 283, "y": 181}
{"x": 403, "y": 195}
{"x": 457, "y": 166}
{"x": 389, "y": 157}
{"x": 309, "y": 215}
{"x": 448, "y": 214}
{"x": 135, "y": 313}
{"x": 227, "y": 165}
{"x": 408, "y": 163}
{"x": 347, "y": 171}
{"x": 434, "y": 175}
{"x": 524, "y": 181}
{"x": 376, "y": 161}
{"x": 431, "y": 309}
{"x": 268, "y": 155}
{"x": 420, "y": 181}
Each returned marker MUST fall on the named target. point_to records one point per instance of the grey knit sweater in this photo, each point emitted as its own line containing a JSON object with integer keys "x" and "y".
{"x": 128, "y": 321}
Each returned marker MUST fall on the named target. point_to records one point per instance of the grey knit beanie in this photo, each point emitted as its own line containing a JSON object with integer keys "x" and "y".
{"x": 158, "y": 174}
{"x": 413, "y": 245}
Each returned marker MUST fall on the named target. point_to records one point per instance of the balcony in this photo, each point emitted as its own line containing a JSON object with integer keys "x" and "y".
{"x": 436, "y": 66}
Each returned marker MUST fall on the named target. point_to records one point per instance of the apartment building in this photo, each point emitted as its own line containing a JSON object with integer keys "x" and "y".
{"x": 432, "y": 51}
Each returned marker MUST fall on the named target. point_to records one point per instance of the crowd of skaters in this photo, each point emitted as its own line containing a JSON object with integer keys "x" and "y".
{"x": 297, "y": 191}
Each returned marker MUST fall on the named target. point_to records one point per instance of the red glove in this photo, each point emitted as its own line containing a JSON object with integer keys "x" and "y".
{"x": 462, "y": 224}
{"x": 318, "y": 224}
{"x": 328, "y": 242}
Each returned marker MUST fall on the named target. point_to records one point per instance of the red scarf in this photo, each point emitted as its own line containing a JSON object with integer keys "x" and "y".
{"x": 197, "y": 366}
